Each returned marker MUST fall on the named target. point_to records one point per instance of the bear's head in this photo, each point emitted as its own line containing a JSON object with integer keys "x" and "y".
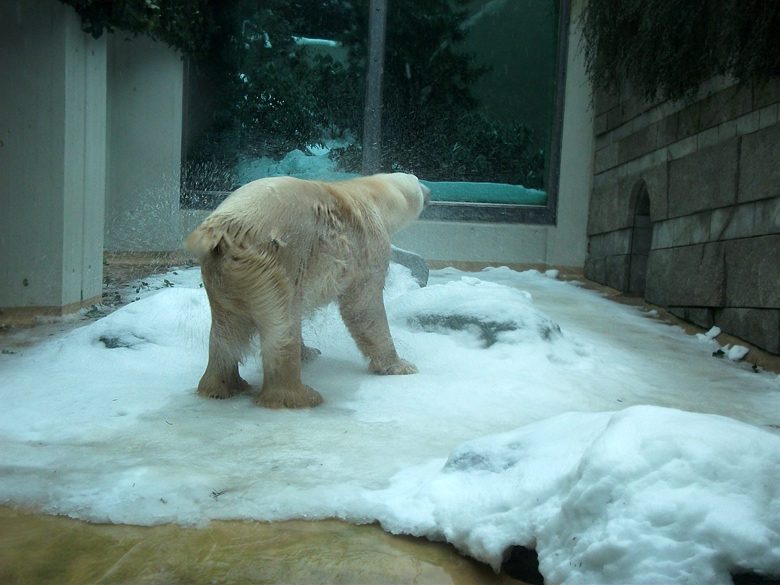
{"x": 400, "y": 198}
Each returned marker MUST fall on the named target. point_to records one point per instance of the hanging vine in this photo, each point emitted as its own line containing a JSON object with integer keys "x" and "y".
{"x": 666, "y": 48}
{"x": 183, "y": 24}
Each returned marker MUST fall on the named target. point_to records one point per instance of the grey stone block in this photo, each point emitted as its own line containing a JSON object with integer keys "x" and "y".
{"x": 700, "y": 227}
{"x": 663, "y": 235}
{"x": 637, "y": 144}
{"x": 603, "y": 141}
{"x": 733, "y": 222}
{"x": 617, "y": 272}
{"x": 691, "y": 229}
{"x": 725, "y": 105}
{"x": 766, "y": 93}
{"x": 682, "y": 233}
{"x": 701, "y": 316}
{"x": 688, "y": 276}
{"x": 767, "y": 116}
{"x": 688, "y": 121}
{"x": 605, "y": 101}
{"x": 719, "y": 221}
{"x": 596, "y": 245}
{"x": 767, "y": 217}
{"x": 637, "y": 277}
{"x": 706, "y": 179}
{"x": 646, "y": 162}
{"x": 727, "y": 130}
{"x": 759, "y": 165}
{"x": 599, "y": 213}
{"x": 707, "y": 138}
{"x": 678, "y": 312}
{"x": 622, "y": 131}
{"x": 753, "y": 272}
{"x": 667, "y": 130}
{"x": 609, "y": 208}
{"x": 659, "y": 277}
{"x": 710, "y": 288}
{"x": 641, "y": 238}
{"x": 657, "y": 181}
{"x": 748, "y": 123}
{"x": 635, "y": 106}
{"x": 600, "y": 125}
{"x": 601, "y": 180}
{"x": 595, "y": 269}
{"x": 741, "y": 225}
{"x": 614, "y": 117}
{"x": 605, "y": 158}
{"x": 613, "y": 243}
{"x": 617, "y": 243}
{"x": 760, "y": 327}
{"x": 610, "y": 244}
{"x": 682, "y": 148}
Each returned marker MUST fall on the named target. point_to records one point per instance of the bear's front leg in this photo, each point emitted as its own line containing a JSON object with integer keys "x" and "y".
{"x": 363, "y": 311}
{"x": 281, "y": 353}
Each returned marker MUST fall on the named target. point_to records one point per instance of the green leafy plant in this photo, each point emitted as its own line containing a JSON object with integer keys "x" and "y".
{"x": 186, "y": 25}
{"x": 667, "y": 48}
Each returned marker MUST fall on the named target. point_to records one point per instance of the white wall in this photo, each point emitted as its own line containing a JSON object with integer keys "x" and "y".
{"x": 567, "y": 242}
{"x": 564, "y": 244}
{"x": 90, "y": 130}
{"x": 52, "y": 168}
{"x": 145, "y": 93}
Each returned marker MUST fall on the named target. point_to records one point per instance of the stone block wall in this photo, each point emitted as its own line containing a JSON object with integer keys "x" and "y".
{"x": 685, "y": 206}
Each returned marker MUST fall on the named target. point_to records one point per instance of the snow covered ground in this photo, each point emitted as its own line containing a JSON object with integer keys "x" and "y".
{"x": 543, "y": 415}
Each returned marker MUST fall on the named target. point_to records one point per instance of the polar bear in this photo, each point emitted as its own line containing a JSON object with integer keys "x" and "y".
{"x": 278, "y": 248}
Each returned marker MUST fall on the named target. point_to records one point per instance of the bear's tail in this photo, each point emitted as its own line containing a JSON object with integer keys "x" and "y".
{"x": 208, "y": 236}
{"x": 203, "y": 240}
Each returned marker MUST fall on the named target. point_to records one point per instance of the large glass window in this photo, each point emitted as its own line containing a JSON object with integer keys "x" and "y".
{"x": 461, "y": 93}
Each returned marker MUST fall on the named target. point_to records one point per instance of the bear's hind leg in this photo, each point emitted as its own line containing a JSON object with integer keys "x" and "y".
{"x": 282, "y": 350}
{"x": 282, "y": 385}
{"x": 230, "y": 334}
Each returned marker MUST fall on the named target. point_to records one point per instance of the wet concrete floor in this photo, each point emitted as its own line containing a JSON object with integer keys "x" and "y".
{"x": 41, "y": 549}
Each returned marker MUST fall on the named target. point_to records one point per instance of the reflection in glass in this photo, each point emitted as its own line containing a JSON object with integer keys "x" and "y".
{"x": 467, "y": 96}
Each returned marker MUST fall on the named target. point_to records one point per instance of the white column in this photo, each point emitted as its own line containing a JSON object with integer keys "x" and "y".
{"x": 52, "y": 160}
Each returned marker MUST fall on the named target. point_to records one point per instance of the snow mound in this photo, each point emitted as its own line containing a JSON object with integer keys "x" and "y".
{"x": 314, "y": 164}
{"x": 644, "y": 495}
{"x": 492, "y": 313}
{"x": 174, "y": 317}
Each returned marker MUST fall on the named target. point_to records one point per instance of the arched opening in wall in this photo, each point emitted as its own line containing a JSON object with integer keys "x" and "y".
{"x": 641, "y": 239}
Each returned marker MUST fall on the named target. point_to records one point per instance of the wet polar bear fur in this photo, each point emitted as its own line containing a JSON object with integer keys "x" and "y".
{"x": 278, "y": 248}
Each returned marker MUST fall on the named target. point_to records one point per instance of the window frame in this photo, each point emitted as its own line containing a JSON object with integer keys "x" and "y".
{"x": 477, "y": 212}
{"x": 519, "y": 213}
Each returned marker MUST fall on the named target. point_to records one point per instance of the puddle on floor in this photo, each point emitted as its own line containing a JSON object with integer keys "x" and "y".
{"x": 39, "y": 549}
